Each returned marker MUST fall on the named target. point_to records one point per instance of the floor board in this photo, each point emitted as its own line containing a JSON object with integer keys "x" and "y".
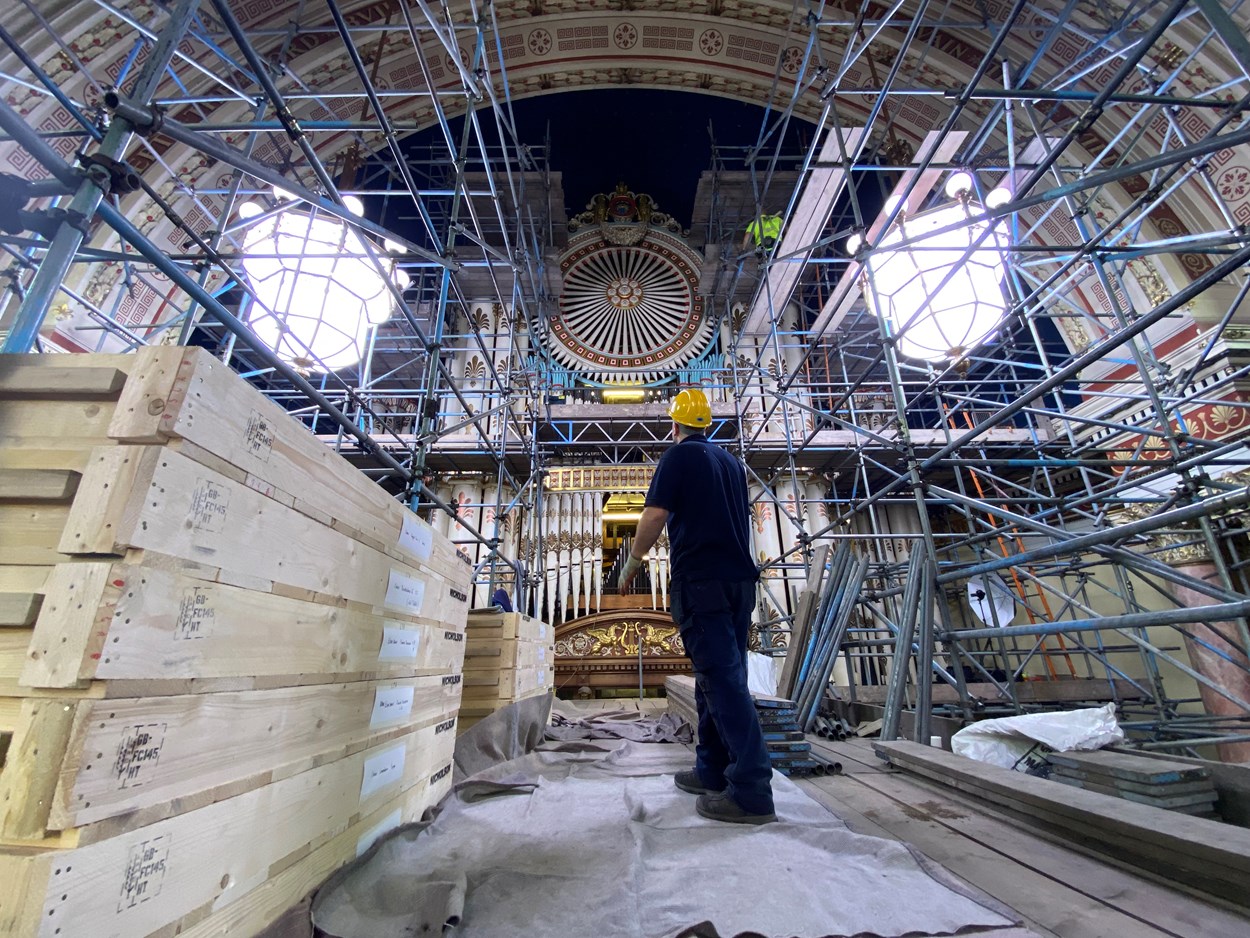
{"x": 1058, "y": 890}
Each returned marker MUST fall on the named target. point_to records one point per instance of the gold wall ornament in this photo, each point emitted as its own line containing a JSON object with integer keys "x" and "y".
{"x": 621, "y": 640}
{"x": 1176, "y": 548}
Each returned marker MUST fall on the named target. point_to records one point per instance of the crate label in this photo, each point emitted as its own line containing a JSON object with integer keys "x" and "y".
{"x": 398, "y": 643}
{"x": 542, "y": 652}
{"x": 209, "y": 502}
{"x": 370, "y": 837}
{"x": 382, "y": 769}
{"x": 146, "y": 866}
{"x": 404, "y": 592}
{"x": 445, "y": 726}
{"x": 196, "y": 615}
{"x": 440, "y": 774}
{"x": 258, "y": 438}
{"x": 139, "y": 749}
{"x": 416, "y": 537}
{"x": 390, "y": 704}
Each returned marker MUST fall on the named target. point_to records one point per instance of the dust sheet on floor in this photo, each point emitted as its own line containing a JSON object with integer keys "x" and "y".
{"x": 592, "y": 838}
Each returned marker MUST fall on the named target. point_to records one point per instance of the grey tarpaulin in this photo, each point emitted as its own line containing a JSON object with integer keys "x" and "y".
{"x": 569, "y": 723}
{"x": 591, "y": 838}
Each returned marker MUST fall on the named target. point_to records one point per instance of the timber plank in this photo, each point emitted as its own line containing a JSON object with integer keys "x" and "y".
{"x": 809, "y": 599}
{"x": 19, "y": 608}
{"x": 1122, "y": 765}
{"x": 53, "y": 426}
{"x": 1217, "y": 843}
{"x": 134, "y": 623}
{"x": 123, "y": 755}
{"x": 31, "y": 378}
{"x": 38, "y": 485}
{"x": 1066, "y": 691}
{"x": 1205, "y": 854}
{"x": 1162, "y": 904}
{"x": 1172, "y": 788}
{"x": 13, "y": 645}
{"x": 284, "y": 889}
{"x": 185, "y": 510}
{"x": 1204, "y": 799}
{"x": 182, "y": 868}
{"x": 505, "y": 683}
{"x": 1047, "y": 906}
{"x": 10, "y": 716}
{"x": 29, "y": 775}
{"x": 207, "y": 404}
{"x": 67, "y": 619}
{"x": 506, "y": 653}
{"x": 30, "y": 532}
{"x": 488, "y": 625}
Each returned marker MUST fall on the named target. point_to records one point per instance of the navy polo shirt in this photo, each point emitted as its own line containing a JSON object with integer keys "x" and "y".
{"x": 704, "y": 490}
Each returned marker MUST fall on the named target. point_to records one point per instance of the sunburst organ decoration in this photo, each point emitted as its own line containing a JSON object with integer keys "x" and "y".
{"x": 629, "y": 312}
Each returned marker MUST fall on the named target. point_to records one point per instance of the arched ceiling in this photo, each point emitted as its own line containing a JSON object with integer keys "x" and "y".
{"x": 825, "y": 62}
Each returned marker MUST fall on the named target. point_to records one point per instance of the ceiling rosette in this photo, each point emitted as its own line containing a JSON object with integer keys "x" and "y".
{"x": 629, "y": 313}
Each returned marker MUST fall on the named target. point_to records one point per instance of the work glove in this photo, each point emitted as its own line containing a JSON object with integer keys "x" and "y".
{"x": 628, "y": 572}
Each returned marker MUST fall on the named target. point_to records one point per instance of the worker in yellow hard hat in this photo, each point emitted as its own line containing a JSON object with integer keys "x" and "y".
{"x": 700, "y": 491}
{"x": 764, "y": 231}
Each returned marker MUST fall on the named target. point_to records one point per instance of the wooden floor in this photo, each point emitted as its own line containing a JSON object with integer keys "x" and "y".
{"x": 1058, "y": 890}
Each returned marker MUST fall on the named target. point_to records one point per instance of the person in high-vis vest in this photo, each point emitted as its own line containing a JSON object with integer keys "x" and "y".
{"x": 699, "y": 490}
{"x": 764, "y": 231}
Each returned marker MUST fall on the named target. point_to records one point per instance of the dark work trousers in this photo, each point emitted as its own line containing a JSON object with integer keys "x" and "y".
{"x": 714, "y": 617}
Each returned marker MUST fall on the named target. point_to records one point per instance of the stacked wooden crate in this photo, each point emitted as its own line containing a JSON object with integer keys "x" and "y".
{"x": 228, "y": 661}
{"x": 507, "y": 657}
{"x": 1173, "y": 786}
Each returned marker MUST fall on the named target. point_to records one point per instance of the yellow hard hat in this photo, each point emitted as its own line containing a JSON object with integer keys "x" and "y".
{"x": 690, "y": 408}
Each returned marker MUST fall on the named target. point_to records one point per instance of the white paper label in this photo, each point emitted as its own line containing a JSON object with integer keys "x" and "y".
{"x": 542, "y": 652}
{"x": 398, "y": 643}
{"x": 367, "y": 839}
{"x": 404, "y": 592}
{"x": 382, "y": 769}
{"x": 390, "y": 704}
{"x": 416, "y": 537}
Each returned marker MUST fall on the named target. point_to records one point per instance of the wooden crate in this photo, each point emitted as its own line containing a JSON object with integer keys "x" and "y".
{"x": 187, "y": 394}
{"x": 513, "y": 683}
{"x": 499, "y": 654}
{"x": 147, "y": 630}
{"x": 55, "y": 409}
{"x": 288, "y": 885}
{"x": 154, "y": 498}
{"x": 89, "y": 768}
{"x": 186, "y": 869}
{"x": 474, "y": 708}
{"x": 488, "y": 625}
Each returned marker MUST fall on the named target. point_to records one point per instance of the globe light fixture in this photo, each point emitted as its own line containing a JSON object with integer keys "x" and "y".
{"x": 941, "y": 292}
{"x": 318, "y": 291}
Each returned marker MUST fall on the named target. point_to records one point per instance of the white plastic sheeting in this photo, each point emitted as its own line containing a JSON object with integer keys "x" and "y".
{"x": 1005, "y": 741}
{"x": 761, "y": 674}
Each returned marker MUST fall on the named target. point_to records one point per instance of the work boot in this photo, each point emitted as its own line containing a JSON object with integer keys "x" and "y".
{"x": 720, "y": 807}
{"x": 690, "y": 781}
